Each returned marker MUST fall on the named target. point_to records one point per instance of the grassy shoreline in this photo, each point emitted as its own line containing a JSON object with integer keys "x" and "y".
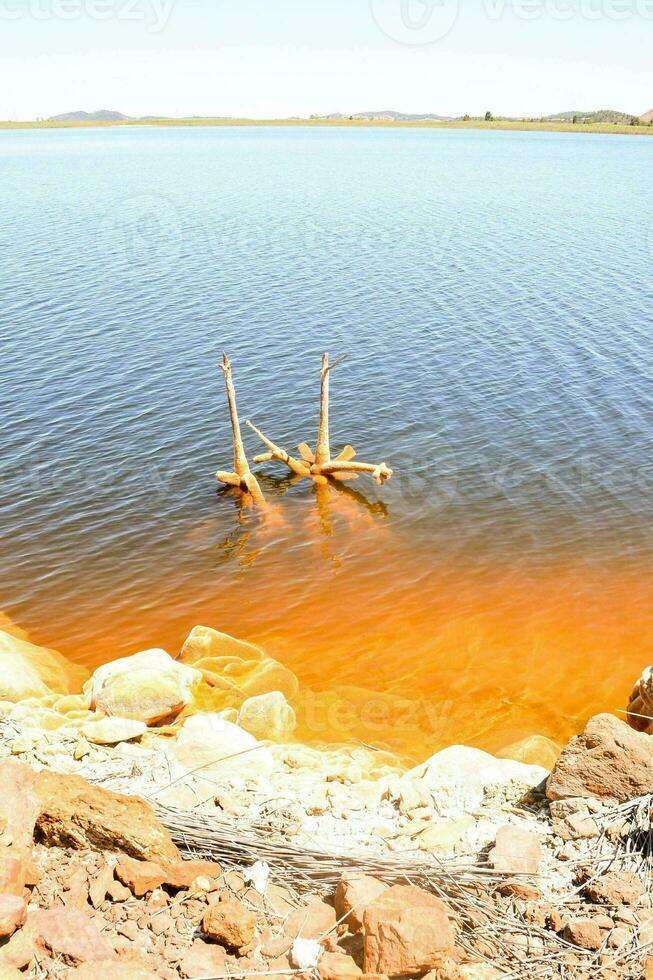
{"x": 508, "y": 125}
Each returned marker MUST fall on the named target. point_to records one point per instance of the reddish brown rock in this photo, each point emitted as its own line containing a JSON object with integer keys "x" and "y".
{"x": 13, "y": 913}
{"x": 640, "y": 707}
{"x": 140, "y": 877}
{"x": 18, "y": 811}
{"x": 118, "y": 892}
{"x": 337, "y": 966}
{"x": 75, "y": 814}
{"x": 272, "y": 947}
{"x": 279, "y": 899}
{"x": 230, "y": 924}
{"x": 608, "y": 760}
{"x": 312, "y": 920}
{"x": 406, "y": 930}
{"x": 18, "y": 952}
{"x": 615, "y": 888}
{"x": 204, "y": 960}
{"x": 583, "y": 933}
{"x": 18, "y": 802}
{"x": 182, "y": 874}
{"x": 70, "y": 935}
{"x": 13, "y": 871}
{"x": 354, "y": 893}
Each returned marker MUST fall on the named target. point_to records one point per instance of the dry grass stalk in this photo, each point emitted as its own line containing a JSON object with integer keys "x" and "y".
{"x": 494, "y": 932}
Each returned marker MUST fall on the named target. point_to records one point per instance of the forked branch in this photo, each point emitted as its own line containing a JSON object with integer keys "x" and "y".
{"x": 276, "y": 452}
{"x": 319, "y": 465}
{"x": 242, "y": 477}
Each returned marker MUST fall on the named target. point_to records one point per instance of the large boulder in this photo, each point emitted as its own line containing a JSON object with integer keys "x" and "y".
{"x": 72, "y": 813}
{"x": 608, "y": 760}
{"x": 462, "y": 774}
{"x": 149, "y": 686}
{"x": 405, "y": 931}
{"x": 203, "y": 643}
{"x": 30, "y": 671}
{"x": 640, "y": 708}
{"x": 236, "y": 666}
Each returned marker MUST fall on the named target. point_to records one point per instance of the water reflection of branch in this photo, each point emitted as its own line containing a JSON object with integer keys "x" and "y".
{"x": 255, "y": 527}
{"x": 338, "y": 500}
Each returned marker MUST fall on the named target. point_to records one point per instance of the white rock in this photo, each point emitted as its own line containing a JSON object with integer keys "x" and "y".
{"x": 110, "y": 731}
{"x": 258, "y": 876}
{"x": 149, "y": 686}
{"x": 211, "y": 739}
{"x": 464, "y": 773}
{"x": 305, "y": 953}
{"x": 268, "y": 716}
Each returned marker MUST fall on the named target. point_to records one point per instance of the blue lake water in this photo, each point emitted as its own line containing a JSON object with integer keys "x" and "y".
{"x": 493, "y": 291}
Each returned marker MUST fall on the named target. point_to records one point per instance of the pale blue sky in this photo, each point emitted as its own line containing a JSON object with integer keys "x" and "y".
{"x": 271, "y": 58}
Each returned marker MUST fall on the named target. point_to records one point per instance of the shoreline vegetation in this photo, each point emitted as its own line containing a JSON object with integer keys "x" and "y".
{"x": 508, "y": 125}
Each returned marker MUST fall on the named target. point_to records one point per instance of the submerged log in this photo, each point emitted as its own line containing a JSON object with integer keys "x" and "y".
{"x": 242, "y": 477}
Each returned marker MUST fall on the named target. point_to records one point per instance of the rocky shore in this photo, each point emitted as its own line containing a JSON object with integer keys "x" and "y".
{"x": 163, "y": 818}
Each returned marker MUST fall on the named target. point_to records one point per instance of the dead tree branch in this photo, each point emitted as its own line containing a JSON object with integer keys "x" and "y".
{"x": 242, "y": 477}
{"x": 320, "y": 466}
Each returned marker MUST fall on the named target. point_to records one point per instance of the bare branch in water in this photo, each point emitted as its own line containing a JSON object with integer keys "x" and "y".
{"x": 242, "y": 477}
{"x": 320, "y": 465}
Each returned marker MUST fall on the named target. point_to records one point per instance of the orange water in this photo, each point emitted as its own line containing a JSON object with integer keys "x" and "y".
{"x": 392, "y": 646}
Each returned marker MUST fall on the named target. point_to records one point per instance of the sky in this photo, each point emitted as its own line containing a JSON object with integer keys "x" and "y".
{"x": 278, "y": 58}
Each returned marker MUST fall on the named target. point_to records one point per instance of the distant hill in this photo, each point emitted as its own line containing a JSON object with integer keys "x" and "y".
{"x": 601, "y": 116}
{"x": 647, "y": 118}
{"x": 387, "y": 115}
{"x": 102, "y": 115}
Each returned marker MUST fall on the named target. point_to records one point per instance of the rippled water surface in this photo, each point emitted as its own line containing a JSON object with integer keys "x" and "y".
{"x": 493, "y": 291}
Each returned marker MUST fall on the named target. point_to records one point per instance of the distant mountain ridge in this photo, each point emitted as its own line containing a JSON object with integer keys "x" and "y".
{"x": 385, "y": 115}
{"x": 599, "y": 116}
{"x": 101, "y": 115}
{"x": 578, "y": 115}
